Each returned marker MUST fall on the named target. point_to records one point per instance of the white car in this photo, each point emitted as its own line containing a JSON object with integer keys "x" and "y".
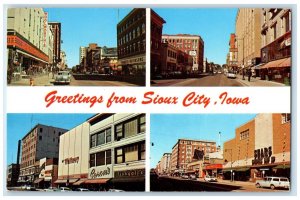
{"x": 209, "y": 178}
{"x": 230, "y": 74}
{"x": 82, "y": 190}
{"x": 63, "y": 77}
{"x": 185, "y": 176}
{"x": 273, "y": 182}
{"x": 64, "y": 189}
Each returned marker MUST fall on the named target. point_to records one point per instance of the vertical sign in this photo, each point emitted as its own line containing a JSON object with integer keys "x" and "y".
{"x": 45, "y": 28}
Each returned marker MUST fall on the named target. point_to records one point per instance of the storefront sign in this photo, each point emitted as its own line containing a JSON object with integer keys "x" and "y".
{"x": 100, "y": 172}
{"x": 130, "y": 173}
{"x": 71, "y": 160}
{"x": 136, "y": 60}
{"x": 263, "y": 156}
{"x": 45, "y": 27}
{"x": 14, "y": 40}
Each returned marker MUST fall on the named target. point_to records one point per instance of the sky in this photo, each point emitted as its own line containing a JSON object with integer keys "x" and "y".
{"x": 166, "y": 129}
{"x": 213, "y": 25}
{"x": 18, "y": 125}
{"x": 81, "y": 26}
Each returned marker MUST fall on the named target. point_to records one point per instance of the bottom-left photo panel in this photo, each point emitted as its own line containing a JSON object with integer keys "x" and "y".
{"x": 102, "y": 152}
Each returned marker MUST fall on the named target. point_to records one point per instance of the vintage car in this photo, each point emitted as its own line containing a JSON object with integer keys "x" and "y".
{"x": 62, "y": 77}
{"x": 273, "y": 182}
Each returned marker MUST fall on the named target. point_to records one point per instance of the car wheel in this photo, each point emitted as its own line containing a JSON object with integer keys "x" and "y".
{"x": 272, "y": 187}
{"x": 257, "y": 185}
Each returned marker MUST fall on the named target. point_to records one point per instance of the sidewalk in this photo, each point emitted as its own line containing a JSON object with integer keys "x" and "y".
{"x": 256, "y": 81}
{"x": 38, "y": 80}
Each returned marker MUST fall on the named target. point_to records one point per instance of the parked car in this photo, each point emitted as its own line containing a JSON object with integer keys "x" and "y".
{"x": 63, "y": 77}
{"x": 209, "y": 178}
{"x": 185, "y": 176}
{"x": 28, "y": 187}
{"x": 273, "y": 182}
{"x": 51, "y": 189}
{"x": 192, "y": 177}
{"x": 64, "y": 189}
{"x": 115, "y": 190}
{"x": 81, "y": 190}
{"x": 231, "y": 74}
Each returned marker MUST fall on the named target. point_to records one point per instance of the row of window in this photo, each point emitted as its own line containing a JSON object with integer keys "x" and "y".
{"x": 133, "y": 48}
{"x": 125, "y": 129}
{"x": 244, "y": 134}
{"x": 132, "y": 20}
{"x": 172, "y": 54}
{"x": 132, "y": 34}
{"x": 190, "y": 41}
{"x": 133, "y": 152}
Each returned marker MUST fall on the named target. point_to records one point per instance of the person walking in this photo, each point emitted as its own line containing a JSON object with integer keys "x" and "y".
{"x": 249, "y": 74}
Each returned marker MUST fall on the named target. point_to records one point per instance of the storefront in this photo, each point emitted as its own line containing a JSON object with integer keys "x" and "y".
{"x": 133, "y": 66}
{"x": 129, "y": 180}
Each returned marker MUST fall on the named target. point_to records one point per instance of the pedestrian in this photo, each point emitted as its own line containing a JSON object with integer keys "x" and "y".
{"x": 249, "y": 74}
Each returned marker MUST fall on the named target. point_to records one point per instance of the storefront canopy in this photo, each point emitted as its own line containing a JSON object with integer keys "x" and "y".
{"x": 242, "y": 169}
{"x": 80, "y": 181}
{"x": 61, "y": 181}
{"x": 73, "y": 180}
{"x": 98, "y": 181}
{"x": 284, "y": 62}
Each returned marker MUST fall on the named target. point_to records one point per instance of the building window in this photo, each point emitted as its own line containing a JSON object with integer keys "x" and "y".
{"x": 143, "y": 28}
{"x": 244, "y": 134}
{"x": 93, "y": 141}
{"x": 92, "y": 160}
{"x": 287, "y": 23}
{"x": 41, "y": 129}
{"x": 100, "y": 158}
{"x": 40, "y": 137}
{"x": 108, "y": 157}
{"x": 285, "y": 117}
{"x": 108, "y": 135}
{"x": 101, "y": 138}
{"x": 142, "y": 124}
{"x": 132, "y": 152}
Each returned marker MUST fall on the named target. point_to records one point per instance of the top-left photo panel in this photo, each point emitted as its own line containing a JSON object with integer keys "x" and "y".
{"x": 76, "y": 46}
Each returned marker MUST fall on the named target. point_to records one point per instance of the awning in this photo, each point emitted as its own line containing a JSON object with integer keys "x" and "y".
{"x": 258, "y": 66}
{"x": 38, "y": 180}
{"x": 27, "y": 54}
{"x": 80, "y": 181}
{"x": 282, "y": 167}
{"x": 284, "y": 62}
{"x": 99, "y": 181}
{"x": 61, "y": 181}
{"x": 73, "y": 180}
{"x": 128, "y": 179}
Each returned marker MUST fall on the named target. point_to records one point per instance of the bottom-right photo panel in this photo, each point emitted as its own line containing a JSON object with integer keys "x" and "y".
{"x": 220, "y": 152}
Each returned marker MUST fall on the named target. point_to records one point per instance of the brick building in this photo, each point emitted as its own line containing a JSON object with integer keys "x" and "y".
{"x": 183, "y": 152}
{"x": 156, "y": 34}
{"x": 56, "y": 30}
{"x": 232, "y": 56}
{"x": 164, "y": 164}
{"x": 40, "y": 142}
{"x": 261, "y": 147}
{"x": 190, "y": 44}
{"x": 131, "y": 36}
{"x": 276, "y": 32}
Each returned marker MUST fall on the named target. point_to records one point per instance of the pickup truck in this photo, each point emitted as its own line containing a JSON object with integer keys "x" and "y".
{"x": 273, "y": 182}
{"x": 62, "y": 77}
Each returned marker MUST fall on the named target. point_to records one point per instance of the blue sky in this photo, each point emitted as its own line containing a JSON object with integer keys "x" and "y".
{"x": 213, "y": 25}
{"x": 81, "y": 26}
{"x": 166, "y": 129}
{"x": 18, "y": 125}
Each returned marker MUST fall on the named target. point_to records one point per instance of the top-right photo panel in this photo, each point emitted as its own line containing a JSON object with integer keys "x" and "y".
{"x": 221, "y": 47}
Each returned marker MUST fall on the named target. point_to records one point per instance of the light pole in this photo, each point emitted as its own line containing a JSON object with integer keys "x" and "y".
{"x": 231, "y": 172}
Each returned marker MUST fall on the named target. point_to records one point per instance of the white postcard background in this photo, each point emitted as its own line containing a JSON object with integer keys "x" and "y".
{"x": 262, "y": 100}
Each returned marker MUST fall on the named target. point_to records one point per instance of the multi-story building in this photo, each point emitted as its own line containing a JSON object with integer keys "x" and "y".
{"x": 109, "y": 60}
{"x": 168, "y": 59}
{"x": 40, "y": 142}
{"x": 106, "y": 151}
{"x": 82, "y": 53}
{"x": 183, "y": 152}
{"x": 13, "y": 171}
{"x": 56, "y": 30}
{"x": 233, "y": 54}
{"x": 261, "y": 147}
{"x": 131, "y": 35}
{"x": 73, "y": 158}
{"x": 165, "y": 163}
{"x": 276, "y": 50}
{"x": 156, "y": 33}
{"x": 190, "y": 44}
{"x": 29, "y": 41}
{"x": 158, "y": 168}
{"x": 93, "y": 58}
{"x": 248, "y": 38}
{"x": 117, "y": 151}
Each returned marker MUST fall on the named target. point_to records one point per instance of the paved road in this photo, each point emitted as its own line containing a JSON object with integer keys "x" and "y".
{"x": 210, "y": 80}
{"x": 98, "y": 83}
{"x": 178, "y": 184}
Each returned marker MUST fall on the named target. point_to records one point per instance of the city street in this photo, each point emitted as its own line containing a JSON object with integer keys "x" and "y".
{"x": 47, "y": 80}
{"x": 215, "y": 80}
{"x": 166, "y": 183}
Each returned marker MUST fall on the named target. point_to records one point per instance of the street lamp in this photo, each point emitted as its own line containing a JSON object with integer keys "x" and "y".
{"x": 231, "y": 172}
